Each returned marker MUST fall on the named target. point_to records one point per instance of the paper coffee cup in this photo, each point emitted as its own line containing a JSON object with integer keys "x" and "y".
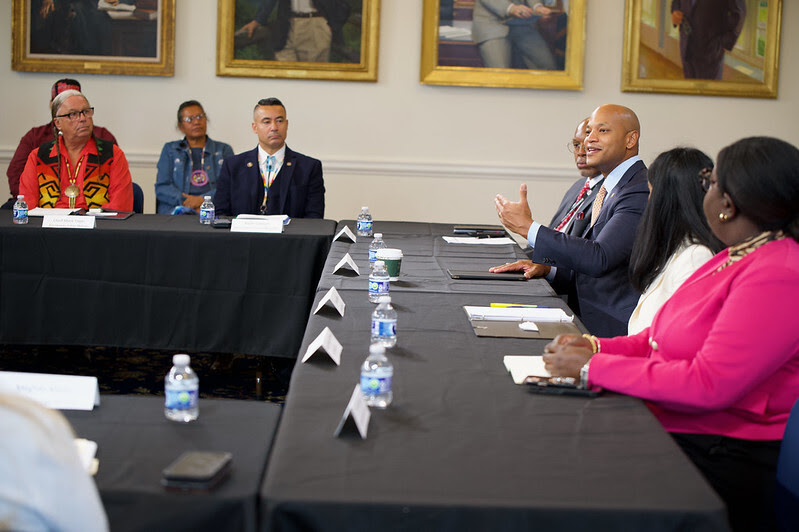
{"x": 393, "y": 259}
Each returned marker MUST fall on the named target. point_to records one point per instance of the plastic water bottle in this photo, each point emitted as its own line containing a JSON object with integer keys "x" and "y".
{"x": 207, "y": 211}
{"x": 20, "y": 210}
{"x": 376, "y": 376}
{"x": 182, "y": 388}
{"x": 384, "y": 323}
{"x": 376, "y": 244}
{"x": 378, "y": 281}
{"x": 364, "y": 223}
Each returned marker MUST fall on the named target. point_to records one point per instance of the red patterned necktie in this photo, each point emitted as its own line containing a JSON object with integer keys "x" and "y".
{"x": 575, "y": 206}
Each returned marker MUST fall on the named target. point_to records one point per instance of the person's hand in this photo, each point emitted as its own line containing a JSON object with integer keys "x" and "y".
{"x": 520, "y": 11}
{"x": 676, "y": 17}
{"x": 541, "y": 9}
{"x": 192, "y": 202}
{"x": 566, "y": 360}
{"x": 515, "y": 215}
{"x": 574, "y": 340}
{"x": 531, "y": 269}
{"x": 249, "y": 28}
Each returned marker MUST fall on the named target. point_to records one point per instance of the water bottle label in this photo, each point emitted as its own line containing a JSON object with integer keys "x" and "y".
{"x": 384, "y": 328}
{"x": 378, "y": 287}
{"x": 372, "y": 255}
{"x": 181, "y": 399}
{"x": 207, "y": 215}
{"x": 364, "y": 225}
{"x": 20, "y": 214}
{"x": 371, "y": 385}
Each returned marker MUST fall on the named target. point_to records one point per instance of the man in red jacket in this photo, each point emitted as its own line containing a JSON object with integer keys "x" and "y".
{"x": 38, "y": 136}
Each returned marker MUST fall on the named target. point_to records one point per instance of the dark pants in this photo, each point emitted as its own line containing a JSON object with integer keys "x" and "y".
{"x": 743, "y": 473}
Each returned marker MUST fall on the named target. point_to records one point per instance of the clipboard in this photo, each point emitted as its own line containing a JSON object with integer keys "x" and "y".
{"x": 511, "y": 329}
{"x": 481, "y": 275}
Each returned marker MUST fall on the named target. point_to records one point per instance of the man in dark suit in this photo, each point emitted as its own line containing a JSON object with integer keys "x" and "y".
{"x": 272, "y": 178}
{"x": 707, "y": 28}
{"x": 597, "y": 261}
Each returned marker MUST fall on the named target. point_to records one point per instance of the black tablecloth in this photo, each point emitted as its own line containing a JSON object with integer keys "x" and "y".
{"x": 162, "y": 282}
{"x": 426, "y": 258}
{"x": 462, "y": 447}
{"x": 135, "y": 442}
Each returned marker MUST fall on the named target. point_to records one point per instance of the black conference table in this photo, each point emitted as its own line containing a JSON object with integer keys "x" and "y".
{"x": 462, "y": 447}
{"x": 160, "y": 282}
{"x": 135, "y": 442}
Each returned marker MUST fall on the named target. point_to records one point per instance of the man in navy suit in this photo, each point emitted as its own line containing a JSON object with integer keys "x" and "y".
{"x": 272, "y": 178}
{"x": 598, "y": 260}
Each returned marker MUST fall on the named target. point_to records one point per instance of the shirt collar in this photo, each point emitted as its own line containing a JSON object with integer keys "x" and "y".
{"x": 592, "y": 182}
{"x": 615, "y": 176}
{"x": 279, "y": 156}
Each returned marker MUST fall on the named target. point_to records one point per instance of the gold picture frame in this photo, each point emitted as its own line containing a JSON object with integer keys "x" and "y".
{"x": 135, "y": 42}
{"x": 352, "y": 57}
{"x": 654, "y": 61}
{"x": 455, "y": 58}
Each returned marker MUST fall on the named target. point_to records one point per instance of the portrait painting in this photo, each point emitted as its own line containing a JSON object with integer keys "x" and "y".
{"x": 312, "y": 39}
{"x": 97, "y": 36}
{"x": 707, "y": 47}
{"x": 504, "y": 43}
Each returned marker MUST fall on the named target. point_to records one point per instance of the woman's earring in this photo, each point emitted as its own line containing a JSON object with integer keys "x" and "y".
{"x": 723, "y": 217}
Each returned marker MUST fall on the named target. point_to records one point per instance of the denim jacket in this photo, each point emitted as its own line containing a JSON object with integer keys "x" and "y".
{"x": 174, "y": 171}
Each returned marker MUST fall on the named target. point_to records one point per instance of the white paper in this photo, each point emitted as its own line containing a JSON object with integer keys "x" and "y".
{"x": 474, "y": 240}
{"x": 332, "y": 296}
{"x": 345, "y": 233}
{"x": 347, "y": 261}
{"x": 260, "y": 224}
{"x": 358, "y": 410}
{"x": 87, "y": 450}
{"x": 521, "y": 367}
{"x": 524, "y": 314}
{"x": 41, "y": 211}
{"x": 326, "y": 342}
{"x": 284, "y": 218}
{"x": 69, "y": 222}
{"x": 62, "y": 392}
{"x": 102, "y": 5}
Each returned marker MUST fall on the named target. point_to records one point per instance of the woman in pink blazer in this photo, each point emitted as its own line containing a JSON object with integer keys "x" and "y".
{"x": 719, "y": 366}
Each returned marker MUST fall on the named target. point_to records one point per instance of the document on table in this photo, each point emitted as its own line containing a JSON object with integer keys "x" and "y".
{"x": 475, "y": 240}
{"x": 534, "y": 314}
{"x": 41, "y": 211}
{"x": 521, "y": 366}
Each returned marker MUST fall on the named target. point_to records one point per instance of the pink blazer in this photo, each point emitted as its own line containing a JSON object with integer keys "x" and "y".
{"x": 722, "y": 354}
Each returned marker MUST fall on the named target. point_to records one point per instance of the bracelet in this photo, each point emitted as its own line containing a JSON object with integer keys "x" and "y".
{"x": 584, "y": 376}
{"x": 594, "y": 341}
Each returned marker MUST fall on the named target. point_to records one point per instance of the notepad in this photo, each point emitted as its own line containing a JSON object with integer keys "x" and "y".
{"x": 522, "y": 366}
{"x": 534, "y": 314}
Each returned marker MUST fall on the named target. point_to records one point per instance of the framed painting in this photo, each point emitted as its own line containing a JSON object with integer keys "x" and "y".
{"x": 496, "y": 43}
{"x": 132, "y": 37}
{"x": 713, "y": 47}
{"x": 326, "y": 39}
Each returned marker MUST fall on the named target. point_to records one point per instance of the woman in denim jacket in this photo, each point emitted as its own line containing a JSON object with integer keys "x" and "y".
{"x": 188, "y": 168}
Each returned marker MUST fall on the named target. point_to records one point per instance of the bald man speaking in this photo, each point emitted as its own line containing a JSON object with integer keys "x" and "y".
{"x": 597, "y": 261}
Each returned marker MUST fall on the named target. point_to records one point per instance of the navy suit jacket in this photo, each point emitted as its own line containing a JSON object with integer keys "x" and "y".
{"x": 598, "y": 262}
{"x": 298, "y": 190}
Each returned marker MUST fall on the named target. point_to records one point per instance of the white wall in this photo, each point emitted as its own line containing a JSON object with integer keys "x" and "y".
{"x": 409, "y": 151}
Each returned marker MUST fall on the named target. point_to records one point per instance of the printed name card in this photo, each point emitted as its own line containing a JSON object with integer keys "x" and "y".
{"x": 62, "y": 392}
{"x": 333, "y": 298}
{"x": 327, "y": 343}
{"x": 345, "y": 233}
{"x": 356, "y": 416}
{"x": 62, "y": 221}
{"x": 261, "y": 224}
{"x": 347, "y": 262}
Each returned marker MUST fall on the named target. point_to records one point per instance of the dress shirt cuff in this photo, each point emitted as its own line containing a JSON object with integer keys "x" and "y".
{"x": 553, "y": 271}
{"x": 532, "y": 233}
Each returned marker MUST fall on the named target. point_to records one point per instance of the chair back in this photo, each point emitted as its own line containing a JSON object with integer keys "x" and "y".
{"x": 787, "y": 496}
{"x": 138, "y": 199}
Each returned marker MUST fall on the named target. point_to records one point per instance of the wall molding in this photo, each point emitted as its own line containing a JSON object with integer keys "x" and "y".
{"x": 399, "y": 169}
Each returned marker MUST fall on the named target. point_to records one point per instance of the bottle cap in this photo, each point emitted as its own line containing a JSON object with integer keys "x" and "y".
{"x": 364, "y": 208}
{"x": 377, "y": 349}
{"x": 21, "y": 196}
{"x": 384, "y": 299}
{"x": 181, "y": 360}
{"x": 207, "y": 198}
{"x": 380, "y": 263}
{"x": 378, "y": 235}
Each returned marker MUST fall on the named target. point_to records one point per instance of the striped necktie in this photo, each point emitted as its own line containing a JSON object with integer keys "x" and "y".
{"x": 575, "y": 205}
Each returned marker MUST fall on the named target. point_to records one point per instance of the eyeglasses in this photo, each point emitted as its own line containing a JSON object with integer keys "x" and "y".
{"x": 189, "y": 119}
{"x": 575, "y": 147}
{"x": 704, "y": 178}
{"x": 88, "y": 113}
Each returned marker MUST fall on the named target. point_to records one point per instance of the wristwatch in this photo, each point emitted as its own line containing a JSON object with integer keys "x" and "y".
{"x": 584, "y": 376}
